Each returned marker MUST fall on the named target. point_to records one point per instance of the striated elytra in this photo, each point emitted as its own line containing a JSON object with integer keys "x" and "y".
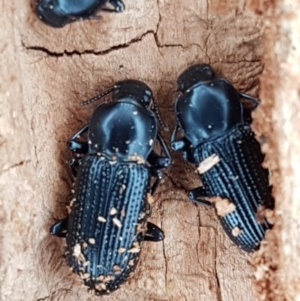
{"x": 58, "y": 13}
{"x": 220, "y": 142}
{"x": 108, "y": 216}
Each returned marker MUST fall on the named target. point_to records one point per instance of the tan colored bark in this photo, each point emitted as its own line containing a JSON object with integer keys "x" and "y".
{"x": 45, "y": 73}
{"x": 279, "y": 269}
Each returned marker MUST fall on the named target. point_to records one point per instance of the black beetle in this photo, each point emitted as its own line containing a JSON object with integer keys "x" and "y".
{"x": 58, "y": 13}
{"x": 210, "y": 115}
{"x": 108, "y": 216}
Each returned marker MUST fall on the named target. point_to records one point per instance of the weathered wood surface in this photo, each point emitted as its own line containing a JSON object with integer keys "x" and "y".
{"x": 45, "y": 73}
{"x": 278, "y": 274}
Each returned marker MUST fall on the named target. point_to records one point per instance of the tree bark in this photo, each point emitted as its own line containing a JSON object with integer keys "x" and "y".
{"x": 277, "y": 263}
{"x": 46, "y": 72}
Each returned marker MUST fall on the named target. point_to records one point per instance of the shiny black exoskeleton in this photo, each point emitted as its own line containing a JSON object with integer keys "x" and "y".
{"x": 210, "y": 115}
{"x": 58, "y": 13}
{"x": 108, "y": 216}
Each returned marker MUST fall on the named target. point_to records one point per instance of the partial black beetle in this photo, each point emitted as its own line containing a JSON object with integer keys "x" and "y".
{"x": 210, "y": 114}
{"x": 58, "y": 13}
{"x": 108, "y": 216}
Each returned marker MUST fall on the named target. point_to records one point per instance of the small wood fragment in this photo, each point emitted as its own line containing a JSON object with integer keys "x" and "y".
{"x": 208, "y": 163}
{"x": 101, "y": 219}
{"x": 113, "y": 211}
{"x": 236, "y": 231}
{"x": 91, "y": 241}
{"x": 117, "y": 222}
{"x": 134, "y": 250}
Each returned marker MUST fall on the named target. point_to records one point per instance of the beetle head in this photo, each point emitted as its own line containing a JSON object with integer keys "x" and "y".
{"x": 50, "y": 14}
{"x": 194, "y": 75}
{"x": 136, "y": 90}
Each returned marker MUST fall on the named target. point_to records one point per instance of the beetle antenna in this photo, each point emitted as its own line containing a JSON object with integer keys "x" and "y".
{"x": 154, "y": 108}
{"x": 93, "y": 99}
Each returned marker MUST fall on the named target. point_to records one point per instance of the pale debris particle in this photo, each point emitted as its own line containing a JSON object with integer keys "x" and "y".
{"x": 136, "y": 244}
{"x": 89, "y": 141}
{"x": 100, "y": 278}
{"x": 134, "y": 250}
{"x": 223, "y": 206}
{"x": 127, "y": 141}
{"x": 121, "y": 250}
{"x": 117, "y": 269}
{"x": 122, "y": 212}
{"x": 72, "y": 191}
{"x": 150, "y": 198}
{"x": 101, "y": 287}
{"x": 91, "y": 241}
{"x": 77, "y": 253}
{"x": 101, "y": 219}
{"x": 113, "y": 211}
{"x": 260, "y": 272}
{"x": 72, "y": 202}
{"x": 85, "y": 276}
{"x": 108, "y": 278}
{"x": 236, "y": 231}
{"x": 69, "y": 209}
{"x": 117, "y": 222}
{"x": 138, "y": 159}
{"x": 84, "y": 245}
{"x": 122, "y": 189}
{"x": 208, "y": 163}
{"x": 86, "y": 263}
{"x": 264, "y": 213}
{"x": 150, "y": 142}
{"x": 141, "y": 228}
{"x": 134, "y": 112}
{"x": 131, "y": 262}
{"x": 142, "y": 215}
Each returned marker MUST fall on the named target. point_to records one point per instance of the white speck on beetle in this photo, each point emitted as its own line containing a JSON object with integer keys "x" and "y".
{"x": 77, "y": 253}
{"x": 113, "y": 211}
{"x": 134, "y": 112}
{"x": 150, "y": 142}
{"x": 117, "y": 222}
{"x": 91, "y": 241}
{"x": 101, "y": 219}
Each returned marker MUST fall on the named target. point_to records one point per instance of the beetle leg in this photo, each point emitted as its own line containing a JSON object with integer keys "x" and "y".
{"x": 117, "y": 4}
{"x": 76, "y": 146}
{"x": 160, "y": 161}
{"x": 153, "y": 233}
{"x": 180, "y": 144}
{"x": 59, "y": 229}
{"x": 158, "y": 175}
{"x": 254, "y": 100}
{"x": 198, "y": 195}
{"x": 189, "y": 156}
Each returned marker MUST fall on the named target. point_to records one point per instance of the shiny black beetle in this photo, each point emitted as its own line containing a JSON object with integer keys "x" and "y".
{"x": 210, "y": 114}
{"x": 58, "y": 13}
{"x": 108, "y": 216}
